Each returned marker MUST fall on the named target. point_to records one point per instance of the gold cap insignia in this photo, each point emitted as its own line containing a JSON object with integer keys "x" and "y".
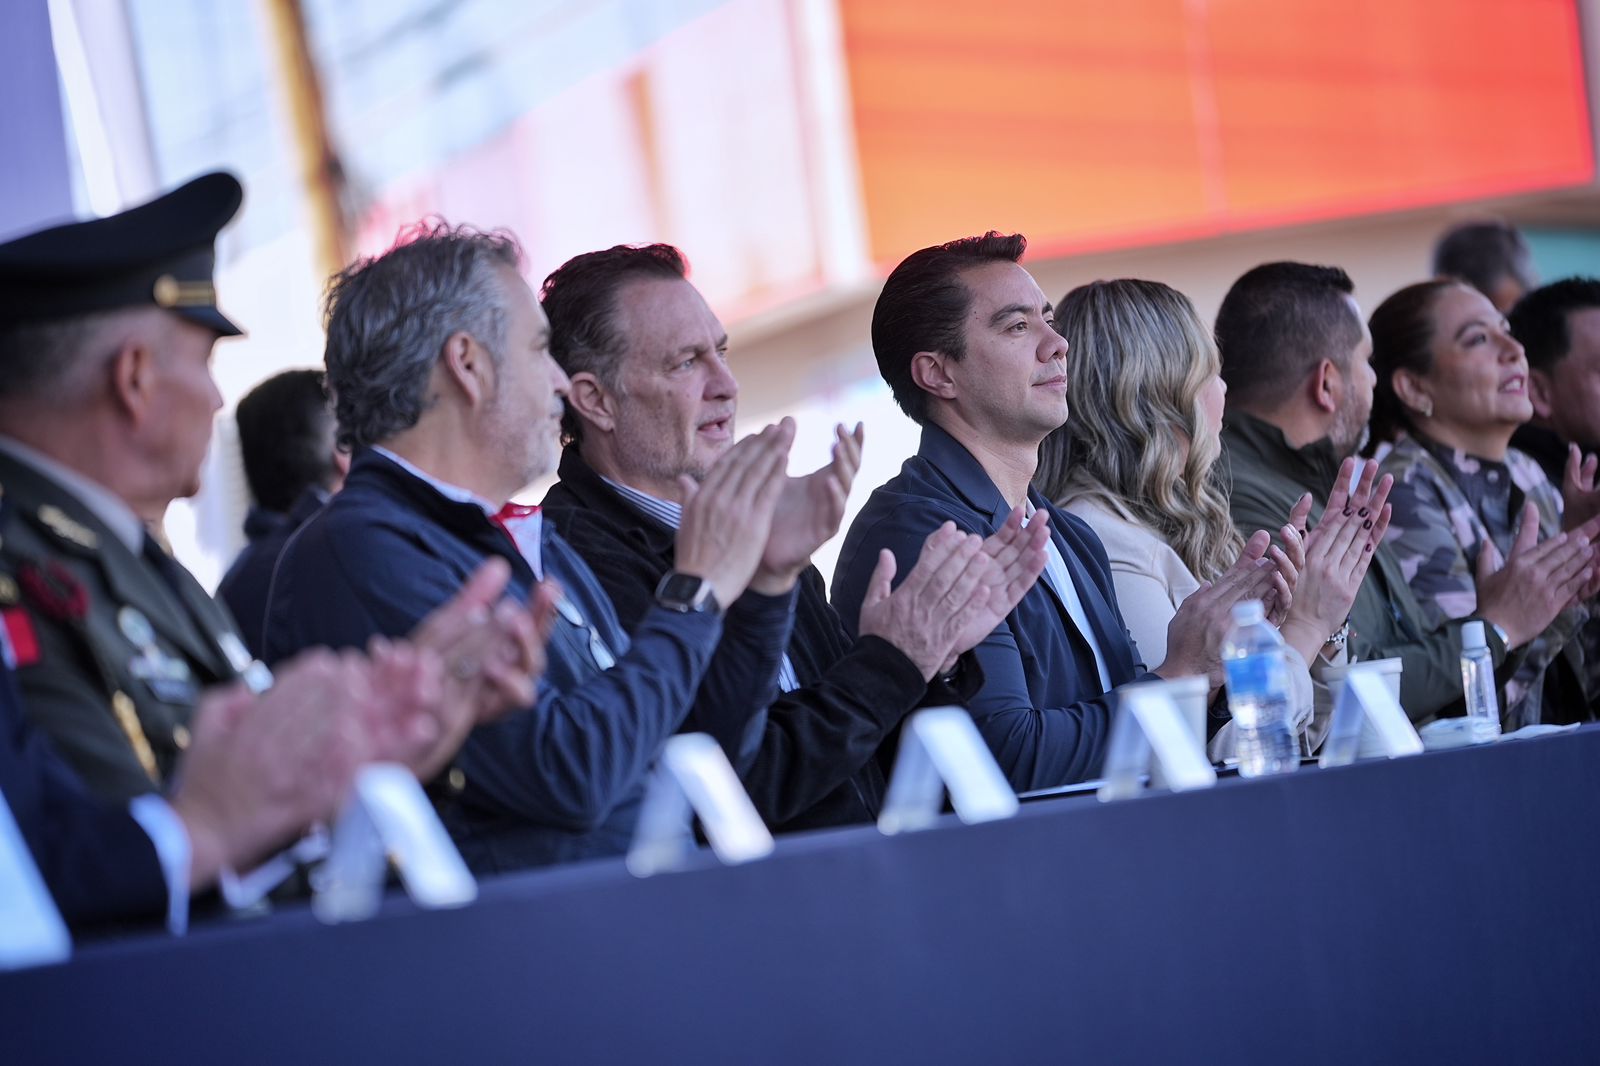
{"x": 170, "y": 292}
{"x": 68, "y": 529}
{"x": 8, "y": 590}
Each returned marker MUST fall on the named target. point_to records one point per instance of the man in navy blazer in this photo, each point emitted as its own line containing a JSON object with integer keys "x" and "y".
{"x": 438, "y": 359}
{"x": 966, "y": 341}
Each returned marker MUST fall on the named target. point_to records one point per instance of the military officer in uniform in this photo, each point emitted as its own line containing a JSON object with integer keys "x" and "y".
{"x": 106, "y": 407}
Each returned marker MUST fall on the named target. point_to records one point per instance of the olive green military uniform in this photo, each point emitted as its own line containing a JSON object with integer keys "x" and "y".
{"x": 112, "y": 645}
{"x": 111, "y": 658}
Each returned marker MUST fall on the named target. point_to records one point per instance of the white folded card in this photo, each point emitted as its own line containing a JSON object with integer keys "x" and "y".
{"x": 388, "y": 818}
{"x": 1150, "y": 722}
{"x": 693, "y": 777}
{"x": 940, "y": 748}
{"x": 1367, "y": 703}
{"x": 31, "y": 930}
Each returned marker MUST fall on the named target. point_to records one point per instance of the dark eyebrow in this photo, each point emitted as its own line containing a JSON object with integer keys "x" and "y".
{"x": 1012, "y": 309}
{"x": 1470, "y": 323}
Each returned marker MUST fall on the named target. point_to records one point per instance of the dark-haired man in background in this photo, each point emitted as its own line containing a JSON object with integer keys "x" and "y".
{"x": 1559, "y": 327}
{"x": 1489, "y": 255}
{"x": 286, "y": 440}
{"x": 966, "y": 341}
{"x": 652, "y": 399}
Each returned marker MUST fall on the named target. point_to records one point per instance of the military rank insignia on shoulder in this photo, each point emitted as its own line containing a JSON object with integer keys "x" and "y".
{"x": 68, "y": 529}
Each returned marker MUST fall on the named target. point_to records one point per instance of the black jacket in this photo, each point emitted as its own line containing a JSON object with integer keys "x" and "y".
{"x": 814, "y": 765}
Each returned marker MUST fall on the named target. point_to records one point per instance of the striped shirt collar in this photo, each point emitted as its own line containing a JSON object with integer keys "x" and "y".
{"x": 666, "y": 512}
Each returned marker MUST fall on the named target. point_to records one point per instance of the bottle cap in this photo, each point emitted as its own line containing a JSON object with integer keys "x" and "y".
{"x": 1472, "y": 637}
{"x": 1248, "y": 612}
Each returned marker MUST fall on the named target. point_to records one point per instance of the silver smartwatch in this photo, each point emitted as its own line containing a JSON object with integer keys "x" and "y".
{"x": 686, "y": 594}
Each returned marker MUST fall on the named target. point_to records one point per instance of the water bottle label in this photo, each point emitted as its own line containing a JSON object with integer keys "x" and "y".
{"x": 1254, "y": 675}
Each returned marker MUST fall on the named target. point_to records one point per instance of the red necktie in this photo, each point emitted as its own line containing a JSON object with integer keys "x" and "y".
{"x": 510, "y": 513}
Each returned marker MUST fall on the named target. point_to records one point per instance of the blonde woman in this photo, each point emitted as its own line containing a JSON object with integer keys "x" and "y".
{"x": 1137, "y": 460}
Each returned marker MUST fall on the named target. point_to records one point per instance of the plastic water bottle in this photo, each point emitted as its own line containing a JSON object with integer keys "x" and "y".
{"x": 1477, "y": 683}
{"x": 1257, "y": 672}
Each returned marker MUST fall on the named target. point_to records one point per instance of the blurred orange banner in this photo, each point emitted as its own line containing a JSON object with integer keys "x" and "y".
{"x": 1093, "y": 125}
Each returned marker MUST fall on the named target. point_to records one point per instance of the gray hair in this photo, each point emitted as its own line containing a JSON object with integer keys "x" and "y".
{"x": 388, "y": 317}
{"x": 57, "y": 357}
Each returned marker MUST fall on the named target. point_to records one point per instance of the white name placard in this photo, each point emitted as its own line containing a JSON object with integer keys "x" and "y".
{"x": 693, "y": 777}
{"x": 1367, "y": 705}
{"x": 388, "y": 817}
{"x": 940, "y": 748}
{"x": 1149, "y": 723}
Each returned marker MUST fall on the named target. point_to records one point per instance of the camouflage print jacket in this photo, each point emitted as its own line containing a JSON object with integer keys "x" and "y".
{"x": 1446, "y": 505}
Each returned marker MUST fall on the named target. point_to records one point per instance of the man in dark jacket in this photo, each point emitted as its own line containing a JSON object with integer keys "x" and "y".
{"x": 652, "y": 400}
{"x": 286, "y": 442}
{"x": 1559, "y": 328}
{"x": 966, "y": 342}
{"x": 437, "y": 357}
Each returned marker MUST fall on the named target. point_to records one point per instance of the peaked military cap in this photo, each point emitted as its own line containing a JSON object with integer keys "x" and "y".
{"x": 159, "y": 254}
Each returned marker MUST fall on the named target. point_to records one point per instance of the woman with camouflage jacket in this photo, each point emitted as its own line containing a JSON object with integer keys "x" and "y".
{"x": 1452, "y": 388}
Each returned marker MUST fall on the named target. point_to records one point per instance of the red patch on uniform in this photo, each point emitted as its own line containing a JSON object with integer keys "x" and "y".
{"x": 54, "y": 590}
{"x": 23, "y": 642}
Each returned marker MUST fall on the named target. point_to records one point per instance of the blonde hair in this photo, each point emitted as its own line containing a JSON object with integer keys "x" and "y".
{"x": 1137, "y": 440}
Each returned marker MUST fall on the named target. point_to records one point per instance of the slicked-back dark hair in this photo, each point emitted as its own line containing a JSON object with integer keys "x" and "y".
{"x": 1541, "y": 319}
{"x": 1402, "y": 339}
{"x": 923, "y": 308}
{"x": 580, "y": 299}
{"x": 1278, "y": 321}
{"x": 285, "y": 438}
{"x": 389, "y": 316}
{"x": 1481, "y": 253}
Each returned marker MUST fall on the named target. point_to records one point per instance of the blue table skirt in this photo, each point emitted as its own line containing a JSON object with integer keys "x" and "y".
{"x": 1440, "y": 908}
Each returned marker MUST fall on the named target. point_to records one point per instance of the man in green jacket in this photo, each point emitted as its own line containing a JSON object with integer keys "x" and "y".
{"x": 1296, "y": 357}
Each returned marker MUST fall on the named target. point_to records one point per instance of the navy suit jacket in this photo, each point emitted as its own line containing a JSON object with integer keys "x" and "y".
{"x": 245, "y": 586}
{"x": 1041, "y": 707}
{"x": 96, "y": 860}
{"x": 557, "y": 781}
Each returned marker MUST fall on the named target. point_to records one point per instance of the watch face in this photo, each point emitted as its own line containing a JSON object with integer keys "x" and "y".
{"x": 683, "y": 590}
